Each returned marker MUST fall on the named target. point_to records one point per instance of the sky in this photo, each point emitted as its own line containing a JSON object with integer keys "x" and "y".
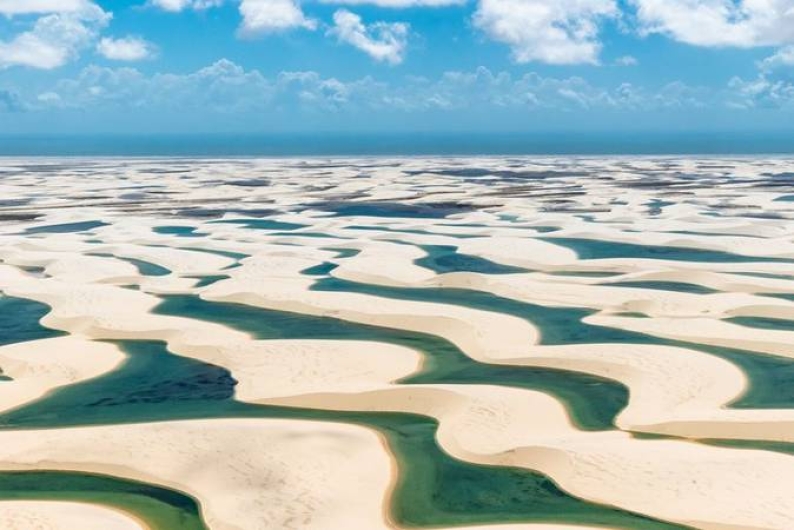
{"x": 261, "y": 66}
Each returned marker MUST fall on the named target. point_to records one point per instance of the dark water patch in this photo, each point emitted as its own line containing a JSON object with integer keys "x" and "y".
{"x": 776, "y": 324}
{"x": 134, "y": 196}
{"x": 657, "y": 206}
{"x": 763, "y": 215}
{"x": 19, "y": 217}
{"x": 768, "y": 275}
{"x": 179, "y": 231}
{"x": 631, "y": 314}
{"x": 323, "y": 269}
{"x": 785, "y": 198}
{"x": 502, "y": 175}
{"x": 545, "y": 229}
{"x": 145, "y": 268}
{"x": 66, "y": 228}
{"x": 262, "y": 224}
{"x": 681, "y": 287}
{"x": 237, "y": 256}
{"x": 710, "y": 234}
{"x": 201, "y": 213}
{"x": 308, "y": 234}
{"x": 784, "y": 296}
{"x": 19, "y": 321}
{"x": 157, "y": 507}
{"x": 38, "y": 272}
{"x": 392, "y": 209}
{"x": 250, "y": 183}
{"x": 206, "y": 281}
{"x": 216, "y": 213}
{"x": 344, "y": 253}
{"x": 177, "y": 379}
{"x": 13, "y": 203}
{"x": 444, "y": 259}
{"x": 586, "y": 274}
{"x": 467, "y": 172}
{"x": 408, "y": 231}
{"x": 755, "y": 445}
{"x": 601, "y": 249}
{"x": 509, "y": 218}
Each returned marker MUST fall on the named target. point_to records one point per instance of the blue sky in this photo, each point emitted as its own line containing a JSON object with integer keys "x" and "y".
{"x": 131, "y": 66}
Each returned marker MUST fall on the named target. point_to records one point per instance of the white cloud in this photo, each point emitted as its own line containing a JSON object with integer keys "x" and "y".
{"x": 550, "y": 31}
{"x": 222, "y": 87}
{"x": 125, "y": 49}
{"x": 762, "y": 92}
{"x": 626, "y": 60}
{"x": 272, "y": 16}
{"x": 740, "y": 23}
{"x": 54, "y": 39}
{"x": 176, "y": 6}
{"x": 382, "y": 41}
{"x": 227, "y": 88}
{"x": 773, "y": 87}
{"x": 783, "y": 58}
{"x": 397, "y": 4}
{"x": 25, "y": 7}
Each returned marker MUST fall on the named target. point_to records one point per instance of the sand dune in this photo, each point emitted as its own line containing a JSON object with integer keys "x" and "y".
{"x": 39, "y": 366}
{"x": 673, "y": 480}
{"x": 50, "y": 515}
{"x": 104, "y": 238}
{"x": 247, "y": 474}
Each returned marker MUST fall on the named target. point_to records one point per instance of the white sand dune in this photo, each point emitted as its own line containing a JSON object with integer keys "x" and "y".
{"x": 247, "y": 474}
{"x": 677, "y": 481}
{"x": 40, "y": 366}
{"x": 706, "y": 331}
{"x": 252, "y": 474}
{"x": 273, "y": 283}
{"x": 51, "y": 515}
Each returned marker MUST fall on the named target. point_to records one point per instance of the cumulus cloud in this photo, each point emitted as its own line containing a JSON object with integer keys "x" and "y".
{"x": 176, "y": 6}
{"x": 385, "y": 42}
{"x": 272, "y": 16}
{"x": 783, "y": 58}
{"x": 550, "y": 31}
{"x": 773, "y": 87}
{"x": 125, "y": 49}
{"x": 626, "y": 60}
{"x": 227, "y": 88}
{"x": 740, "y": 23}
{"x": 54, "y": 39}
{"x": 762, "y": 92}
{"x": 26, "y": 7}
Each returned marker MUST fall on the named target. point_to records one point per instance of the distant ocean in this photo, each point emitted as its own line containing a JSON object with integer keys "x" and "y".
{"x": 403, "y": 144}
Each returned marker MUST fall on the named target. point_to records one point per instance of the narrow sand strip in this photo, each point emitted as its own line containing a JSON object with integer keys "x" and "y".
{"x": 50, "y": 515}
{"x": 247, "y": 474}
{"x": 40, "y": 366}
